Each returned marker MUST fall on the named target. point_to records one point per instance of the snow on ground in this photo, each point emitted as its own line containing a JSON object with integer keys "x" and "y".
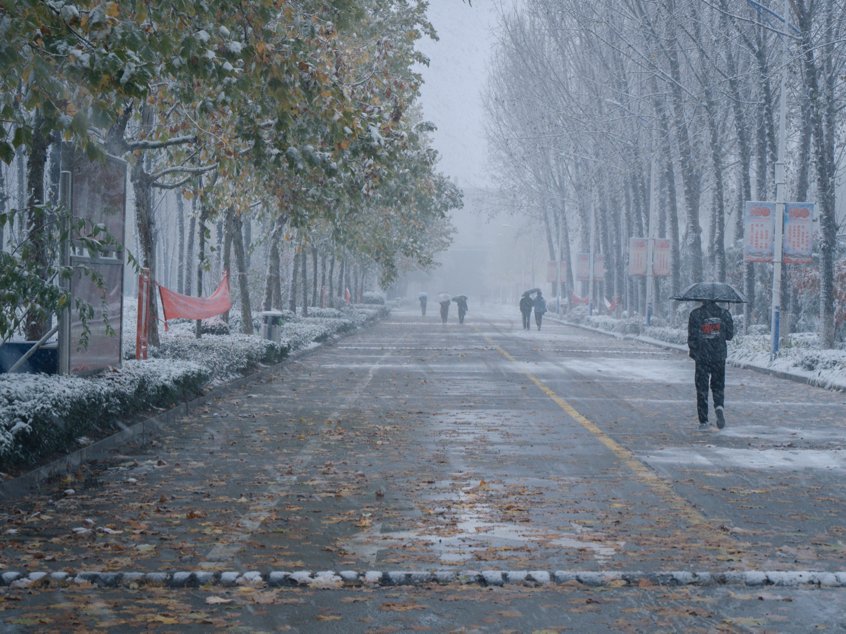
{"x": 800, "y": 355}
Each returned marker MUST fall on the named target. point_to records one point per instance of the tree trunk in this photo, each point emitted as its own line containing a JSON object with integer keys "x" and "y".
{"x": 314, "y": 276}
{"x": 822, "y": 107}
{"x": 292, "y": 297}
{"x": 37, "y": 224}
{"x": 180, "y": 243}
{"x": 273, "y": 278}
{"x": 189, "y": 248}
{"x": 331, "y": 281}
{"x": 243, "y": 282}
{"x": 304, "y": 278}
{"x": 227, "y": 229}
{"x": 201, "y": 252}
{"x": 690, "y": 174}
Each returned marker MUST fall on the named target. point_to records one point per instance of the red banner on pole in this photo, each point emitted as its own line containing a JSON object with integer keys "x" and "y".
{"x": 759, "y": 229}
{"x": 661, "y": 256}
{"x": 176, "y": 305}
{"x": 637, "y": 256}
{"x": 798, "y": 233}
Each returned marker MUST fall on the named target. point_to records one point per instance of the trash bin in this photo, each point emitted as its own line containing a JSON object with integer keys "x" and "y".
{"x": 271, "y": 324}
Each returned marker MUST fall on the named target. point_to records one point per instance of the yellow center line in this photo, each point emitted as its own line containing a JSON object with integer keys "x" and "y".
{"x": 643, "y": 473}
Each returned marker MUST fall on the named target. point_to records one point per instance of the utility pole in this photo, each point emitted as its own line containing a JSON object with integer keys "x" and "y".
{"x": 781, "y": 193}
{"x": 651, "y": 230}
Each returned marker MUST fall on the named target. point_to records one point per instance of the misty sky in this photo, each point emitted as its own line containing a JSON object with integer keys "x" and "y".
{"x": 454, "y": 80}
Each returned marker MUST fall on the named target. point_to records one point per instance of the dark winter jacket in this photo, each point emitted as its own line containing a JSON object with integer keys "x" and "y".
{"x": 708, "y": 329}
{"x": 540, "y": 305}
{"x": 526, "y": 304}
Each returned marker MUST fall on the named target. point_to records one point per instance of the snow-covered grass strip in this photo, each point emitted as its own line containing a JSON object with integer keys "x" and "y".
{"x": 800, "y": 354}
{"x": 41, "y": 414}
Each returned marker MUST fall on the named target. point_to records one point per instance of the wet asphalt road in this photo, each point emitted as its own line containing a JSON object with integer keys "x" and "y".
{"x": 418, "y": 446}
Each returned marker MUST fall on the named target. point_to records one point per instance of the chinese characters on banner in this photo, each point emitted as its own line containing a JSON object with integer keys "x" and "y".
{"x": 798, "y": 233}
{"x": 758, "y": 231}
{"x": 583, "y": 267}
{"x": 638, "y": 255}
{"x": 550, "y": 271}
{"x": 759, "y": 224}
{"x": 661, "y": 255}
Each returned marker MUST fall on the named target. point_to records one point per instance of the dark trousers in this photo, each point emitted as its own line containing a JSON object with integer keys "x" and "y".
{"x": 461, "y": 314}
{"x": 423, "y": 307}
{"x": 527, "y": 320}
{"x": 538, "y": 319}
{"x": 713, "y": 372}
{"x": 444, "y": 313}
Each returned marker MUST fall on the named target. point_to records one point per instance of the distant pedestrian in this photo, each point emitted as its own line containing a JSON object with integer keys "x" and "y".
{"x": 423, "y": 297}
{"x": 461, "y": 300}
{"x": 444, "y": 309}
{"x": 526, "y": 310}
{"x": 540, "y": 308}
{"x": 708, "y": 329}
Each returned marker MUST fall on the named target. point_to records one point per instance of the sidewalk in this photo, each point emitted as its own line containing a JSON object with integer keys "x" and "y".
{"x": 794, "y": 374}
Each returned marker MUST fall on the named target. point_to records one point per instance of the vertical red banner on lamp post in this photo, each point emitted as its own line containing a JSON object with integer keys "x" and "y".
{"x": 637, "y": 256}
{"x": 759, "y": 229}
{"x": 141, "y": 325}
{"x": 798, "y": 233}
{"x": 661, "y": 255}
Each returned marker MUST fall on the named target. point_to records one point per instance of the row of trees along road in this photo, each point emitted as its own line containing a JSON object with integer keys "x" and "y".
{"x": 585, "y": 97}
{"x": 298, "y": 118}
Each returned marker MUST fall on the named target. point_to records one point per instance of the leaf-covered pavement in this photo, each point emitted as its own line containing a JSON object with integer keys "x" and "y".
{"x": 413, "y": 446}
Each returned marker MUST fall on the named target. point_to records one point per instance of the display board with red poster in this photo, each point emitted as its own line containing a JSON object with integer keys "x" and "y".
{"x": 98, "y": 199}
{"x": 798, "y": 233}
{"x": 758, "y": 231}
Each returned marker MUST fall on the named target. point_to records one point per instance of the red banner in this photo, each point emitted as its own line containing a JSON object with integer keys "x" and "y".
{"x": 176, "y": 305}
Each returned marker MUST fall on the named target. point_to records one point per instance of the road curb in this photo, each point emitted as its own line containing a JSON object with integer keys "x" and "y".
{"x": 336, "y": 580}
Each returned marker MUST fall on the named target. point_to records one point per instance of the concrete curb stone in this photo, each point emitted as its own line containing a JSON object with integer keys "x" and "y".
{"x": 329, "y": 579}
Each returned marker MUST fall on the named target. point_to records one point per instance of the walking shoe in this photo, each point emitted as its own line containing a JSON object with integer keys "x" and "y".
{"x": 721, "y": 418}
{"x": 703, "y": 426}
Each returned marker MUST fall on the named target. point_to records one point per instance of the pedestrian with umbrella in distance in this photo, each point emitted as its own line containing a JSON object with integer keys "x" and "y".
{"x": 526, "y": 310}
{"x": 423, "y": 297}
{"x": 461, "y": 300}
{"x": 708, "y": 328}
{"x": 444, "y": 300}
{"x": 540, "y": 308}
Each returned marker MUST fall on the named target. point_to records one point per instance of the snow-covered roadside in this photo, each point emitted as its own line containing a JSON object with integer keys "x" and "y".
{"x": 800, "y": 354}
{"x": 41, "y": 415}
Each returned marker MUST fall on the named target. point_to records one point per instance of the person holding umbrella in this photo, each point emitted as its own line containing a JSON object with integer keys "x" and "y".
{"x": 540, "y": 308}
{"x": 526, "y": 310}
{"x": 461, "y": 300}
{"x": 444, "y": 300}
{"x": 709, "y": 327}
{"x": 423, "y": 297}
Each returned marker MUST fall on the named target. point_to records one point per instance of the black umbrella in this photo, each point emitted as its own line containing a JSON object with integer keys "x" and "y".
{"x": 531, "y": 290}
{"x": 711, "y": 291}
{"x": 459, "y": 297}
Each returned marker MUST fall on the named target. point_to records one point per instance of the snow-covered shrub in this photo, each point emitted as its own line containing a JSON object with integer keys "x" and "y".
{"x": 224, "y": 356}
{"x": 41, "y": 414}
{"x": 325, "y": 313}
{"x": 670, "y": 335}
{"x": 299, "y": 334}
{"x": 214, "y": 326}
{"x": 373, "y": 297}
